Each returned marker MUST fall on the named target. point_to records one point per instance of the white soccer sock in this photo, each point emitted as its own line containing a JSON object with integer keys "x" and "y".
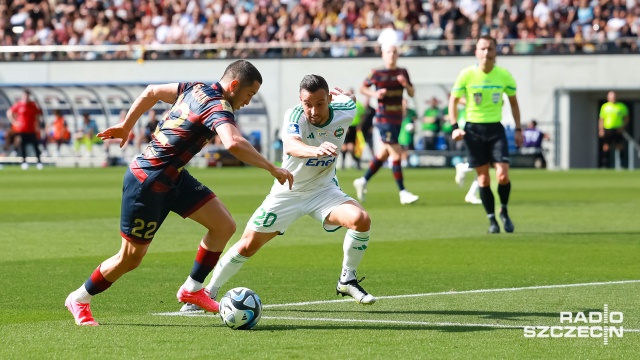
{"x": 192, "y": 285}
{"x": 355, "y": 243}
{"x": 228, "y": 265}
{"x": 466, "y": 168}
{"x": 81, "y": 295}
{"x": 473, "y": 189}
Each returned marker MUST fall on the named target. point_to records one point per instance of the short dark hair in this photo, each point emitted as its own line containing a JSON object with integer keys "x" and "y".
{"x": 488, "y": 38}
{"x": 313, "y": 83}
{"x": 244, "y": 71}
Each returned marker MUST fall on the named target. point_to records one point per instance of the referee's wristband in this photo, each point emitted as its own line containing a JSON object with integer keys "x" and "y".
{"x": 455, "y": 126}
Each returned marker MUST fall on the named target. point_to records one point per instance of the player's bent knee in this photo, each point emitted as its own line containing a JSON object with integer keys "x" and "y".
{"x": 362, "y": 222}
{"x": 230, "y": 228}
{"x": 223, "y": 229}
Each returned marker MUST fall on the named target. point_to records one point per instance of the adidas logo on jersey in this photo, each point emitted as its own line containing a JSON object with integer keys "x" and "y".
{"x": 311, "y": 136}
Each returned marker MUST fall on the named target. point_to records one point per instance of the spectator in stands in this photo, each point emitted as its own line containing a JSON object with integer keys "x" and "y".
{"x": 25, "y": 117}
{"x": 58, "y": 131}
{"x": 614, "y": 117}
{"x": 86, "y": 134}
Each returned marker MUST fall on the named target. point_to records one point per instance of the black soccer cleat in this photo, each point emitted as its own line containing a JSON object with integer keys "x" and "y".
{"x": 506, "y": 222}
{"x": 494, "y": 228}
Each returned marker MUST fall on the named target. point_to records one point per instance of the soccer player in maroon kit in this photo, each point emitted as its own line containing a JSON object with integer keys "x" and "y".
{"x": 25, "y": 116}
{"x": 390, "y": 82}
{"x": 157, "y": 182}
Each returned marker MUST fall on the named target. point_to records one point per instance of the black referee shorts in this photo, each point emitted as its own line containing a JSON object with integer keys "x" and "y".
{"x": 486, "y": 143}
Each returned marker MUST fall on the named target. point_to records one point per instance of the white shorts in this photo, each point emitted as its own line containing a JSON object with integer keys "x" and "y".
{"x": 278, "y": 211}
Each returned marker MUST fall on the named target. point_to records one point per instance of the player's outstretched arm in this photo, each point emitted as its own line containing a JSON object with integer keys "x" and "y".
{"x": 293, "y": 146}
{"x": 239, "y": 147}
{"x": 149, "y": 97}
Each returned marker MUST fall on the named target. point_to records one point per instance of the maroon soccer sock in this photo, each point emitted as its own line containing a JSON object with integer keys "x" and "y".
{"x": 96, "y": 283}
{"x": 204, "y": 263}
{"x": 374, "y": 166}
{"x": 397, "y": 174}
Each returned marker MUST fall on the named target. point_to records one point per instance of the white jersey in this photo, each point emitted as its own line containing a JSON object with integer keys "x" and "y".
{"x": 315, "y": 173}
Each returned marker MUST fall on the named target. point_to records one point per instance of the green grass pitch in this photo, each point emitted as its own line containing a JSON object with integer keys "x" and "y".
{"x": 575, "y": 227}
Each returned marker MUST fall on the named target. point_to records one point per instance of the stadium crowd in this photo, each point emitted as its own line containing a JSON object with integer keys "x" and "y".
{"x": 332, "y": 28}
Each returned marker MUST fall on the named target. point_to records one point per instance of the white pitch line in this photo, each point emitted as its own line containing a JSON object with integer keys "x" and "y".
{"x": 459, "y": 292}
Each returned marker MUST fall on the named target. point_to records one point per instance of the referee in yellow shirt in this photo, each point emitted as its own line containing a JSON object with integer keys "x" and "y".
{"x": 482, "y": 86}
{"x": 614, "y": 117}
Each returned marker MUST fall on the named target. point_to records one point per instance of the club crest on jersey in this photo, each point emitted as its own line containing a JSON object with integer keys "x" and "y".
{"x": 293, "y": 129}
{"x": 323, "y": 133}
{"x": 339, "y": 132}
{"x": 477, "y": 97}
{"x": 496, "y": 97}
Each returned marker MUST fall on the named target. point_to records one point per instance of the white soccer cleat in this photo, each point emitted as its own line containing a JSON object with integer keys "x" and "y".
{"x": 39, "y": 166}
{"x": 361, "y": 188}
{"x": 24, "y": 166}
{"x": 187, "y": 308}
{"x": 352, "y": 288}
{"x": 472, "y": 199}
{"x": 407, "y": 197}
{"x": 460, "y": 174}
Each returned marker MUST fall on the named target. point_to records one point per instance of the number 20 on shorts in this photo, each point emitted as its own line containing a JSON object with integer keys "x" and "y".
{"x": 265, "y": 219}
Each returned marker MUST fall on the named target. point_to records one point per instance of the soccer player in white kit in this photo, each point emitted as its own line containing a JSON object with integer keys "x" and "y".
{"x": 312, "y": 134}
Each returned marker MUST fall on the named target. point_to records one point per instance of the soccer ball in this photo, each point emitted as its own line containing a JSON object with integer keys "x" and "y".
{"x": 240, "y": 308}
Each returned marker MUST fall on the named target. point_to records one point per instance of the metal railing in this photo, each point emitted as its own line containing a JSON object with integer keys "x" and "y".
{"x": 428, "y": 47}
{"x": 632, "y": 145}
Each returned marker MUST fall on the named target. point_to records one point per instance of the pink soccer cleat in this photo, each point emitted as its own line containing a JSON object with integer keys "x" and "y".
{"x": 200, "y": 298}
{"x": 81, "y": 312}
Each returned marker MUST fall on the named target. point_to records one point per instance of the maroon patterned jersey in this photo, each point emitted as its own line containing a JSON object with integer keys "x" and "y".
{"x": 390, "y": 106}
{"x": 182, "y": 133}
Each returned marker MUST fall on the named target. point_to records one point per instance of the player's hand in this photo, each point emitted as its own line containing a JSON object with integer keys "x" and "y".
{"x": 327, "y": 148}
{"x": 403, "y": 80}
{"x": 458, "y": 134}
{"x": 115, "y": 132}
{"x": 380, "y": 93}
{"x": 283, "y": 175}
{"x": 601, "y": 132}
{"x": 337, "y": 91}
{"x": 519, "y": 138}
